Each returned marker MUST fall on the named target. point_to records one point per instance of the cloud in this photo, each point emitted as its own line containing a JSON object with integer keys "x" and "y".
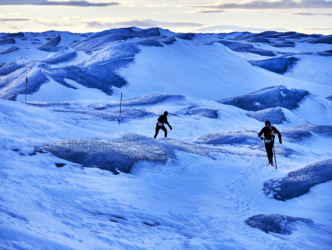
{"x": 319, "y": 29}
{"x": 209, "y": 11}
{"x": 233, "y": 28}
{"x": 279, "y": 4}
{"x": 72, "y": 3}
{"x": 14, "y": 19}
{"x": 311, "y": 14}
{"x": 140, "y": 23}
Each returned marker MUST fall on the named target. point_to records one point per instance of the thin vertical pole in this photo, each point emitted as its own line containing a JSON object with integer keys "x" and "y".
{"x": 26, "y": 88}
{"x": 275, "y": 159}
{"x": 120, "y": 108}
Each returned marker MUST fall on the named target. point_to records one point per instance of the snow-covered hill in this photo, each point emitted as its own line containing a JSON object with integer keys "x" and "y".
{"x": 74, "y": 177}
{"x": 136, "y": 59}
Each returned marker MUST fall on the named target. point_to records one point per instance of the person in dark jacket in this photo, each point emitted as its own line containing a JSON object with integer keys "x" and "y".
{"x": 269, "y": 134}
{"x": 160, "y": 124}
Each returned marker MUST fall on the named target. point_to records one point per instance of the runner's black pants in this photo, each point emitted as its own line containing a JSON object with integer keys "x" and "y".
{"x": 158, "y": 128}
{"x": 268, "y": 148}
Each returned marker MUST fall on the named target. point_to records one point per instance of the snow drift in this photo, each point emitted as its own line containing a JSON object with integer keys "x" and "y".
{"x": 299, "y": 182}
{"x": 277, "y": 223}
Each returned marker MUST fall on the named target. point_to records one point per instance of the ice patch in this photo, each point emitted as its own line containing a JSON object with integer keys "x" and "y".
{"x": 274, "y": 115}
{"x": 122, "y": 154}
{"x": 272, "y": 97}
{"x": 277, "y": 223}
{"x": 277, "y": 65}
{"x": 299, "y": 182}
{"x": 200, "y": 111}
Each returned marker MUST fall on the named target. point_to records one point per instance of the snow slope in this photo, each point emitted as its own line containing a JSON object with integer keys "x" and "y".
{"x": 203, "y": 187}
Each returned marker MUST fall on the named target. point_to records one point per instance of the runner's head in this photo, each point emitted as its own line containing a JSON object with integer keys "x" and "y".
{"x": 165, "y": 113}
{"x": 267, "y": 124}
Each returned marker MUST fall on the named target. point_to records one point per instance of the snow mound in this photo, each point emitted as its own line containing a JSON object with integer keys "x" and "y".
{"x": 9, "y": 68}
{"x": 116, "y": 155}
{"x": 15, "y": 82}
{"x": 200, "y": 111}
{"x": 104, "y": 39}
{"x": 110, "y": 115}
{"x": 18, "y": 34}
{"x": 277, "y": 223}
{"x": 245, "y": 47}
{"x": 241, "y": 138}
{"x": 324, "y": 39}
{"x": 7, "y": 41}
{"x": 100, "y": 69}
{"x": 143, "y": 100}
{"x": 150, "y": 42}
{"x": 299, "y": 133}
{"x": 278, "y": 65}
{"x": 60, "y": 57}
{"x": 299, "y": 182}
{"x": 274, "y": 115}
{"x": 52, "y": 45}
{"x": 233, "y": 137}
{"x": 122, "y": 154}
{"x": 9, "y": 50}
{"x": 271, "y": 97}
{"x": 283, "y": 44}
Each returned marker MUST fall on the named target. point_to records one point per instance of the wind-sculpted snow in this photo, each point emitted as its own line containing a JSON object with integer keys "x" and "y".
{"x": 299, "y": 182}
{"x": 9, "y": 50}
{"x": 200, "y": 111}
{"x": 254, "y": 39}
{"x": 9, "y": 68}
{"x": 60, "y": 57}
{"x": 89, "y": 77}
{"x": 274, "y": 115}
{"x": 325, "y": 53}
{"x": 52, "y": 45}
{"x": 299, "y": 133}
{"x": 109, "y": 55}
{"x": 118, "y": 51}
{"x": 7, "y": 41}
{"x": 245, "y": 47}
{"x": 143, "y": 100}
{"x": 323, "y": 39}
{"x": 99, "y": 69}
{"x": 113, "y": 115}
{"x": 103, "y": 39}
{"x": 272, "y": 97}
{"x": 185, "y": 36}
{"x": 18, "y": 34}
{"x": 113, "y": 155}
{"x": 122, "y": 154}
{"x": 15, "y": 83}
{"x": 277, "y": 223}
{"x": 245, "y": 137}
{"x": 283, "y": 44}
{"x": 278, "y": 65}
{"x": 282, "y": 35}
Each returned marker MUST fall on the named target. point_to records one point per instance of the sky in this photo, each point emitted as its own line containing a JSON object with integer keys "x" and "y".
{"x": 200, "y": 16}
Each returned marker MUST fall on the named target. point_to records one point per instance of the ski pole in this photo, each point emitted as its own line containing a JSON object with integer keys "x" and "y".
{"x": 275, "y": 159}
{"x": 26, "y": 88}
{"x": 120, "y": 109}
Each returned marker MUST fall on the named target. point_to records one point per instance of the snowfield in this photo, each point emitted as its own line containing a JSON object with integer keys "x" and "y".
{"x": 76, "y": 175}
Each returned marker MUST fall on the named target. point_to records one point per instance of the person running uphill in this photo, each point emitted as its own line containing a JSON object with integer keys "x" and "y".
{"x": 160, "y": 124}
{"x": 269, "y": 135}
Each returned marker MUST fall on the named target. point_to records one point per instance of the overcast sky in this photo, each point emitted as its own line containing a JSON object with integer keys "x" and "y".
{"x": 81, "y": 16}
